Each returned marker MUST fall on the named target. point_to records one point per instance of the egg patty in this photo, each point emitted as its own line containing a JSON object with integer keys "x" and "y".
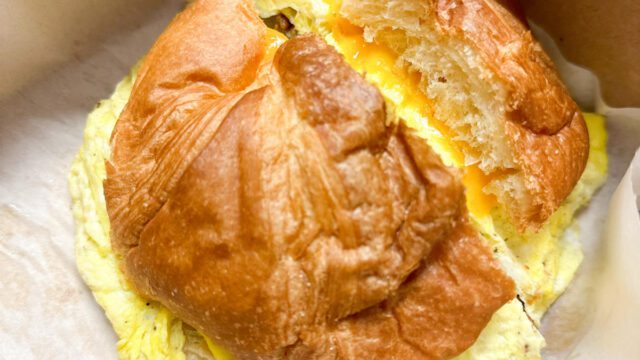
{"x": 542, "y": 263}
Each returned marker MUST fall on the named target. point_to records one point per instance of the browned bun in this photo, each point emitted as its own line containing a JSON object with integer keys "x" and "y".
{"x": 266, "y": 201}
{"x": 544, "y": 125}
{"x": 494, "y": 88}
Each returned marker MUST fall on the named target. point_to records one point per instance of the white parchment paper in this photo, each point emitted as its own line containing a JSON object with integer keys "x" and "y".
{"x": 72, "y": 55}
{"x": 613, "y": 333}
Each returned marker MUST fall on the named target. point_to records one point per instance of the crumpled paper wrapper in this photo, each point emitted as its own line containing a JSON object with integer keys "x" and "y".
{"x": 46, "y": 311}
{"x": 613, "y": 333}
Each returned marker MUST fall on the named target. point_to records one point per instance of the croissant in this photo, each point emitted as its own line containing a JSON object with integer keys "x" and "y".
{"x": 284, "y": 196}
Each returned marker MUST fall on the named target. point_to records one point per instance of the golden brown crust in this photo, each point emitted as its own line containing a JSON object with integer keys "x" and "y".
{"x": 545, "y": 126}
{"x": 269, "y": 214}
{"x": 455, "y": 294}
{"x": 537, "y": 98}
{"x": 553, "y": 165}
{"x": 144, "y": 142}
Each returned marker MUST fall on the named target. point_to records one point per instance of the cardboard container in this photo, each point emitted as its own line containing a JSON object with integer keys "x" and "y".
{"x": 58, "y": 58}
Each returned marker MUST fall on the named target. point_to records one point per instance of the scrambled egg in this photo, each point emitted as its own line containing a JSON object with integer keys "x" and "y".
{"x": 542, "y": 263}
{"x": 147, "y": 330}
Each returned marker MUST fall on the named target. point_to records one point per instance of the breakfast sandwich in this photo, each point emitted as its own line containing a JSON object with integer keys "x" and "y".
{"x": 315, "y": 179}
